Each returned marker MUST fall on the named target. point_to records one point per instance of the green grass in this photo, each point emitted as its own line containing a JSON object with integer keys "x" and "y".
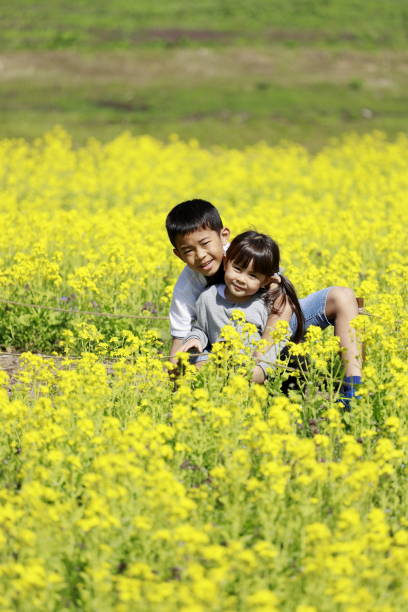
{"x": 216, "y": 108}
{"x": 59, "y": 24}
{"x": 222, "y": 71}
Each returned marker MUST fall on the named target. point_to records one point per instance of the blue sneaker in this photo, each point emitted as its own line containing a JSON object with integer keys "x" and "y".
{"x": 349, "y": 390}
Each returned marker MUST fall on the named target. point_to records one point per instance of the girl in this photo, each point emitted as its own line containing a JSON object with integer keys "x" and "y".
{"x": 252, "y": 284}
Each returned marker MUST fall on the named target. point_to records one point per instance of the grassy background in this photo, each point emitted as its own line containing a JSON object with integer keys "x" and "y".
{"x": 56, "y": 24}
{"x": 222, "y": 71}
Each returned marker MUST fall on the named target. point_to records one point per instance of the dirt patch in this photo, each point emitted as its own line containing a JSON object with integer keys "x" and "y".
{"x": 9, "y": 363}
{"x": 175, "y": 66}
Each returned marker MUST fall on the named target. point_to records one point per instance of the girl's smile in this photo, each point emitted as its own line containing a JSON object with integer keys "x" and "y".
{"x": 242, "y": 282}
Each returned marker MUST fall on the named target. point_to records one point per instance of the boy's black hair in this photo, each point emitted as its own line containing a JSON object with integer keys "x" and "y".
{"x": 190, "y": 216}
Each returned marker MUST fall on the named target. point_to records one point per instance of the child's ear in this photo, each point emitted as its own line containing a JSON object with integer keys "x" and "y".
{"x": 266, "y": 282}
{"x": 225, "y": 235}
{"x": 177, "y": 254}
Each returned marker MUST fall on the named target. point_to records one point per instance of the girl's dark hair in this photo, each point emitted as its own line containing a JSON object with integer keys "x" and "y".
{"x": 263, "y": 253}
{"x": 191, "y": 216}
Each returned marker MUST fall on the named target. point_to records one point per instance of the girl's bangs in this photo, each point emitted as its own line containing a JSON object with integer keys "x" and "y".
{"x": 244, "y": 255}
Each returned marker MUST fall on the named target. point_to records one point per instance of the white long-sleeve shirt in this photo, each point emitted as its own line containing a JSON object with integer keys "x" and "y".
{"x": 189, "y": 286}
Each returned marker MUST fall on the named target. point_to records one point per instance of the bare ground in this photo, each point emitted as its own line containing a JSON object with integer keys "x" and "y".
{"x": 378, "y": 70}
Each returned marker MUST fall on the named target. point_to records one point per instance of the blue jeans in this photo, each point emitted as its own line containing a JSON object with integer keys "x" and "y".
{"x": 314, "y": 310}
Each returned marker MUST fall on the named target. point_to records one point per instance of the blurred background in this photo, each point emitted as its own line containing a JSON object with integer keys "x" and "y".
{"x": 230, "y": 72}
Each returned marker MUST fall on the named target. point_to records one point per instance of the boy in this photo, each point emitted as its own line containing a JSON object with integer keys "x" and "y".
{"x": 200, "y": 240}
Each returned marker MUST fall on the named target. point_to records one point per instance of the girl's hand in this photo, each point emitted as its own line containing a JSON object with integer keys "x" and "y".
{"x": 258, "y": 375}
{"x": 193, "y": 343}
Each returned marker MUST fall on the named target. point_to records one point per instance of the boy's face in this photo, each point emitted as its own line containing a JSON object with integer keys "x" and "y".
{"x": 202, "y": 250}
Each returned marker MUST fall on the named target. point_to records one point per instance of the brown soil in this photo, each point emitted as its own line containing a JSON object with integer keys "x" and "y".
{"x": 377, "y": 70}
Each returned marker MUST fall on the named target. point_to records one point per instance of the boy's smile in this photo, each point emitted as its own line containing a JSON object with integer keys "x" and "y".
{"x": 202, "y": 250}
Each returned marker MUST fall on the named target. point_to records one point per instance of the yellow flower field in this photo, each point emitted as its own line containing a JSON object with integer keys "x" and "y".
{"x": 122, "y": 490}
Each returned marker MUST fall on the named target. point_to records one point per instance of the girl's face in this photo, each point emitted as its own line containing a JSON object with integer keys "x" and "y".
{"x": 243, "y": 282}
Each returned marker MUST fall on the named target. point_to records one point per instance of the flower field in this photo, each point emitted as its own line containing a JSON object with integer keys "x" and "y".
{"x": 123, "y": 490}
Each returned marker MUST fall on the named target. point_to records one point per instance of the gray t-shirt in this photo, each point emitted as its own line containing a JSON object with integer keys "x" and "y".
{"x": 213, "y": 311}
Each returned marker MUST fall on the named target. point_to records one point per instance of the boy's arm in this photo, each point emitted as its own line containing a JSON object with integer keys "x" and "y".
{"x": 198, "y": 337}
{"x": 176, "y": 345}
{"x": 195, "y": 337}
{"x": 183, "y": 305}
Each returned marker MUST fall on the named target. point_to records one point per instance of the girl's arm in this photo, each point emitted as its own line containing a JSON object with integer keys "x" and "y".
{"x": 197, "y": 339}
{"x": 284, "y": 313}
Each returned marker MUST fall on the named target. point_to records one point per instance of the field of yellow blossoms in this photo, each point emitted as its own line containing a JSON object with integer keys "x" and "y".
{"x": 123, "y": 490}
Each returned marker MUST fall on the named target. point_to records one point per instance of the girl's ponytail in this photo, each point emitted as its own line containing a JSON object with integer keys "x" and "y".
{"x": 289, "y": 291}
{"x": 278, "y": 298}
